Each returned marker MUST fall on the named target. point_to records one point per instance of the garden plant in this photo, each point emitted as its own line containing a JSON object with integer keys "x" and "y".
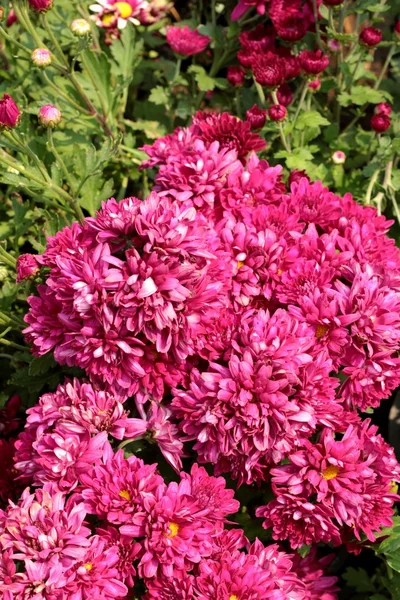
{"x": 199, "y": 299}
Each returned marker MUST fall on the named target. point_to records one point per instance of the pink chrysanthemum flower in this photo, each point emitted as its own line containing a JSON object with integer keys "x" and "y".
{"x": 185, "y": 41}
{"x": 178, "y": 587}
{"x": 121, "y": 292}
{"x": 176, "y": 534}
{"x": 230, "y": 132}
{"x": 311, "y": 571}
{"x": 42, "y": 527}
{"x": 128, "y": 552}
{"x": 315, "y": 203}
{"x": 298, "y": 520}
{"x": 119, "y": 489}
{"x": 96, "y": 575}
{"x": 242, "y": 413}
{"x": 197, "y": 175}
{"x": 168, "y": 147}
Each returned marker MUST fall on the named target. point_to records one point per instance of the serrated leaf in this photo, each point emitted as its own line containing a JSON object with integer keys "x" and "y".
{"x": 203, "y": 80}
{"x": 159, "y": 95}
{"x": 41, "y": 365}
{"x": 360, "y": 95}
{"x": 311, "y": 119}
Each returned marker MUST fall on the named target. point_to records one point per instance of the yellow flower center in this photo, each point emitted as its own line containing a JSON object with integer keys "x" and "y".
{"x": 108, "y": 19}
{"x": 234, "y": 597}
{"x": 240, "y": 264}
{"x": 279, "y": 272}
{"x": 172, "y": 531}
{"x": 394, "y": 488}
{"x": 330, "y": 472}
{"x": 125, "y": 494}
{"x": 88, "y": 566}
{"x": 125, "y": 9}
{"x": 321, "y": 330}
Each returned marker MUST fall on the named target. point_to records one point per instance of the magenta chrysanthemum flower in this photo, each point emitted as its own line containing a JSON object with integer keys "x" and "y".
{"x": 111, "y": 305}
{"x": 128, "y": 552}
{"x": 96, "y": 575}
{"x": 42, "y": 527}
{"x": 230, "y": 132}
{"x": 186, "y": 41}
{"x": 311, "y": 571}
{"x": 119, "y": 489}
{"x": 244, "y": 414}
{"x": 179, "y": 587}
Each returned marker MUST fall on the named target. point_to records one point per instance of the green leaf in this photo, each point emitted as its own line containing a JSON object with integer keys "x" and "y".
{"x": 358, "y": 579}
{"x": 360, "y": 95}
{"x": 304, "y": 550}
{"x": 311, "y": 119}
{"x": 324, "y": 12}
{"x": 159, "y": 95}
{"x": 41, "y": 365}
{"x": 204, "y": 81}
{"x": 99, "y": 68}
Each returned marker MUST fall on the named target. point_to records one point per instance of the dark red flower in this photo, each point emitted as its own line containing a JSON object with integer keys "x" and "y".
{"x": 12, "y": 18}
{"x": 313, "y": 62}
{"x": 186, "y": 41}
{"x": 40, "y": 5}
{"x": 9, "y": 113}
{"x": 261, "y": 39}
{"x": 284, "y": 94}
{"x": 290, "y": 18}
{"x": 370, "y": 36}
{"x": 277, "y": 112}
{"x": 256, "y": 116}
{"x": 269, "y": 70}
{"x": 397, "y": 28}
{"x": 296, "y": 175}
{"x": 314, "y": 85}
{"x": 380, "y": 122}
{"x": 8, "y": 416}
{"x": 246, "y": 58}
{"x": 27, "y": 266}
{"x": 229, "y": 131}
{"x": 383, "y": 108}
{"x": 236, "y": 76}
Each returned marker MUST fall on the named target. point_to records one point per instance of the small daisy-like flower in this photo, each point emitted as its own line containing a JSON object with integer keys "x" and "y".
{"x": 110, "y": 14}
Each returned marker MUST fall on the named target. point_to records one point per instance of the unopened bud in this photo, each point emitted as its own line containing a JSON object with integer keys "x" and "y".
{"x": 80, "y": 27}
{"x": 49, "y": 116}
{"x": 41, "y": 57}
{"x": 338, "y": 157}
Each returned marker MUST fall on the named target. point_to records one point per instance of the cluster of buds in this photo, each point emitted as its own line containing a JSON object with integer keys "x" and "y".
{"x": 381, "y": 121}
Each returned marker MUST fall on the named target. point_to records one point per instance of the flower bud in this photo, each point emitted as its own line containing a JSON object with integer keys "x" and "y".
{"x": 9, "y": 113}
{"x": 277, "y": 112}
{"x": 1, "y": 14}
{"x": 334, "y": 45}
{"x": 380, "y": 122}
{"x": 370, "y": 37}
{"x": 284, "y": 94}
{"x": 49, "y": 116}
{"x": 41, "y": 57}
{"x": 256, "y": 116}
{"x": 40, "y": 5}
{"x": 27, "y": 266}
{"x": 12, "y": 18}
{"x": 235, "y": 76}
{"x": 314, "y": 85}
{"x": 383, "y": 108}
{"x": 397, "y": 28}
{"x": 80, "y": 27}
{"x": 338, "y": 157}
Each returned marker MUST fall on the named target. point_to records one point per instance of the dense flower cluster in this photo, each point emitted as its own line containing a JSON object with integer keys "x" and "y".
{"x": 249, "y": 316}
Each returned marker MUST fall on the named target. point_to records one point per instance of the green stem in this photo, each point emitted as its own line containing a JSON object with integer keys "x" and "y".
{"x": 19, "y": 323}
{"x": 7, "y": 258}
{"x": 301, "y": 102}
{"x": 371, "y": 187}
{"x": 12, "y": 345}
{"x": 213, "y": 13}
{"x": 215, "y": 67}
{"x": 127, "y": 442}
{"x": 24, "y": 18}
{"x": 260, "y": 93}
{"x": 385, "y": 66}
{"x": 29, "y": 175}
{"x": 54, "y": 41}
{"x": 75, "y": 204}
{"x": 360, "y": 59}
{"x": 24, "y": 147}
{"x": 237, "y": 102}
{"x": 64, "y": 95}
{"x": 14, "y": 41}
{"x": 281, "y": 131}
{"x": 386, "y": 183}
{"x": 317, "y": 30}
{"x": 177, "y": 69}
{"x": 93, "y": 110}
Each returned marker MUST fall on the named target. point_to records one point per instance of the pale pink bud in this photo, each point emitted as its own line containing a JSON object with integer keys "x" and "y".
{"x": 338, "y": 157}
{"x": 49, "y": 116}
{"x": 41, "y": 57}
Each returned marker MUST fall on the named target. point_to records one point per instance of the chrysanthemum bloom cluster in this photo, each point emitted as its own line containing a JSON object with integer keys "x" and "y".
{"x": 112, "y": 15}
{"x": 269, "y": 309}
{"x": 351, "y": 479}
